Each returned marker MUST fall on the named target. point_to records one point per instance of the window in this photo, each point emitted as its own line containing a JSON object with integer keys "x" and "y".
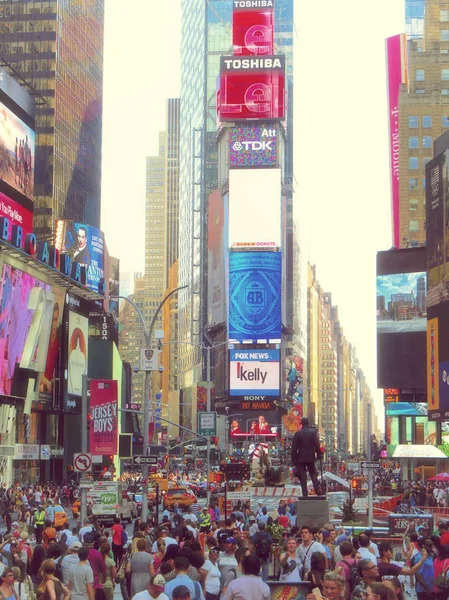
{"x": 427, "y": 141}
{"x": 427, "y": 121}
{"x": 424, "y": 183}
{"x": 444, "y": 14}
{"x": 413, "y": 225}
{"x": 420, "y": 91}
{"x": 445, "y": 92}
{"x": 413, "y": 121}
{"x": 413, "y": 204}
{"x": 413, "y": 183}
{"x": 445, "y": 121}
{"x": 444, "y": 35}
{"x": 413, "y": 162}
{"x": 413, "y": 142}
{"x": 420, "y": 75}
{"x": 445, "y": 74}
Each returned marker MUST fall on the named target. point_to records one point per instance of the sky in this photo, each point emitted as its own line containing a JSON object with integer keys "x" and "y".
{"x": 404, "y": 283}
{"x": 342, "y": 181}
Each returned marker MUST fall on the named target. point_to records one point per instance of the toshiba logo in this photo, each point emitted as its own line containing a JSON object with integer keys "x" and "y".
{"x": 253, "y": 4}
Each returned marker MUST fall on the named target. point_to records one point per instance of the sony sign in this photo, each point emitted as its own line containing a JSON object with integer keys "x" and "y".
{"x": 253, "y": 146}
{"x": 254, "y": 373}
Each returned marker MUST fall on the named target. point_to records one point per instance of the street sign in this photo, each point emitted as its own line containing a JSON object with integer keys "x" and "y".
{"x": 149, "y": 359}
{"x": 207, "y": 424}
{"x": 82, "y": 463}
{"x": 370, "y": 465}
{"x": 145, "y": 460}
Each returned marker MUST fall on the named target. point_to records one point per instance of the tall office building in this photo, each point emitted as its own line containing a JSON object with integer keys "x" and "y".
{"x": 57, "y": 46}
{"x": 423, "y": 110}
{"x": 206, "y": 36}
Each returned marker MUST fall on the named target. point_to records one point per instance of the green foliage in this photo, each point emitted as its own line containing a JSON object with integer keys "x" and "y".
{"x": 444, "y": 447}
{"x": 349, "y": 512}
{"x": 276, "y": 531}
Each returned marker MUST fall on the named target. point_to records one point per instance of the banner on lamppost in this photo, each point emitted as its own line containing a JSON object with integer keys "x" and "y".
{"x": 104, "y": 420}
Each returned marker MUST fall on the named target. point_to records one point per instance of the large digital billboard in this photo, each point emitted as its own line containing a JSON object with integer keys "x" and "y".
{"x": 396, "y": 51}
{"x": 17, "y": 153}
{"x": 401, "y": 302}
{"x": 251, "y": 147}
{"x": 409, "y": 409}
{"x": 255, "y": 282}
{"x": 255, "y": 209}
{"x": 16, "y": 214}
{"x": 51, "y": 373}
{"x": 255, "y": 423}
{"x": 15, "y": 323}
{"x": 104, "y": 416}
{"x": 252, "y": 88}
{"x": 253, "y": 27}
{"x": 77, "y": 355}
{"x": 85, "y": 244}
{"x": 254, "y": 372}
{"x": 401, "y": 337}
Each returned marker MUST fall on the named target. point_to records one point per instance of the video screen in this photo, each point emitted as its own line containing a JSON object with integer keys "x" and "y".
{"x": 409, "y": 409}
{"x": 401, "y": 303}
{"x": 17, "y": 153}
{"x": 254, "y": 423}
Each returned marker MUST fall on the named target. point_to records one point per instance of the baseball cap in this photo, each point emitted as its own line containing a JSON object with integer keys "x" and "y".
{"x": 76, "y": 546}
{"x": 230, "y": 540}
{"x": 180, "y": 591}
{"x": 252, "y": 518}
{"x": 159, "y": 582}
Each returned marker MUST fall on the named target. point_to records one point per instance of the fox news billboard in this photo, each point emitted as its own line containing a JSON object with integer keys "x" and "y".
{"x": 254, "y": 373}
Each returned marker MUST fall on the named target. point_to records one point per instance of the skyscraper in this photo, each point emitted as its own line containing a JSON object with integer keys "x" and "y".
{"x": 206, "y": 36}
{"x": 57, "y": 46}
{"x": 423, "y": 109}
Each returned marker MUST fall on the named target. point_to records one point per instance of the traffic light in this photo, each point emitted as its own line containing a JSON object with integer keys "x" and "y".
{"x": 218, "y": 477}
{"x": 355, "y": 484}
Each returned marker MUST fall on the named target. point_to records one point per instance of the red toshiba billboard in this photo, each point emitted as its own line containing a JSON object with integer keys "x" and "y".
{"x": 252, "y": 88}
{"x": 253, "y": 27}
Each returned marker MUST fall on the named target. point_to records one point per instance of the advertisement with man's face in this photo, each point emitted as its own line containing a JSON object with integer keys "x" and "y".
{"x": 15, "y": 322}
{"x": 17, "y": 147}
{"x": 85, "y": 245}
{"x": 47, "y": 385}
{"x": 255, "y": 423}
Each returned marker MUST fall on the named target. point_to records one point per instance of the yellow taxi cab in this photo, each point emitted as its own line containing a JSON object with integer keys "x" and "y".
{"x": 179, "y": 495}
{"x": 76, "y": 508}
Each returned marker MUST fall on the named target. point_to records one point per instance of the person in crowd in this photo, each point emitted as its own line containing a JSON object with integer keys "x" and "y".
{"x": 250, "y": 585}
{"x": 117, "y": 541}
{"x": 333, "y": 587}
{"x": 69, "y": 560}
{"x": 159, "y": 555}
{"x": 308, "y": 546}
{"x": 81, "y": 577}
{"x": 211, "y": 575}
{"x": 424, "y": 576}
{"x": 345, "y": 565}
{"x": 111, "y": 571}
{"x": 182, "y": 579}
{"x": 387, "y": 569}
{"x": 141, "y": 567}
{"x": 440, "y": 568}
{"x": 50, "y": 586}
{"x": 365, "y": 550}
{"x": 163, "y": 533}
{"x": 396, "y": 587}
{"x": 317, "y": 570}
{"x": 155, "y": 590}
{"x": 290, "y": 562}
{"x": 262, "y": 542}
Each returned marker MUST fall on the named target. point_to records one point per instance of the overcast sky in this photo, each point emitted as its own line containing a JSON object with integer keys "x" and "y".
{"x": 341, "y": 142}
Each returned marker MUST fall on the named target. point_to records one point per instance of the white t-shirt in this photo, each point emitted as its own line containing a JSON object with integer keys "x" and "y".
{"x": 366, "y": 554}
{"x": 146, "y": 596}
{"x": 85, "y": 530}
{"x": 168, "y": 542}
{"x": 213, "y": 577}
{"x": 38, "y": 496}
{"x": 306, "y": 553}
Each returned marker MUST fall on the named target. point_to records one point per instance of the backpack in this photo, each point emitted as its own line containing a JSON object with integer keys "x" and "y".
{"x": 263, "y": 547}
{"x": 354, "y": 576}
{"x": 124, "y": 537}
{"x": 197, "y": 591}
{"x": 58, "y": 571}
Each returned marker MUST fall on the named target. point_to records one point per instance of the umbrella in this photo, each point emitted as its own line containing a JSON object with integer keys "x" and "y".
{"x": 440, "y": 477}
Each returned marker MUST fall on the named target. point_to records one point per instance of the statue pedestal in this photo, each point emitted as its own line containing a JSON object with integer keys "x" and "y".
{"x": 312, "y": 511}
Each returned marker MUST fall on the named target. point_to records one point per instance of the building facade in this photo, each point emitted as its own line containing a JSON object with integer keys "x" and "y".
{"x": 57, "y": 47}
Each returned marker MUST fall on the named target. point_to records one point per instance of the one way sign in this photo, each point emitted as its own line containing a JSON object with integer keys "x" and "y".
{"x": 145, "y": 460}
{"x": 370, "y": 465}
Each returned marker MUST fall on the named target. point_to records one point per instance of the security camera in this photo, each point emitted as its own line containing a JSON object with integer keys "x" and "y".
{"x": 136, "y": 369}
{"x": 160, "y": 369}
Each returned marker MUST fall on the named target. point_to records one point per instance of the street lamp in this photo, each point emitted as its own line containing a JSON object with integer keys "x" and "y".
{"x": 146, "y": 400}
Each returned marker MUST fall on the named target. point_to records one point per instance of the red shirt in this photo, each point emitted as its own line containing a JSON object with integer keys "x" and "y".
{"x": 117, "y": 530}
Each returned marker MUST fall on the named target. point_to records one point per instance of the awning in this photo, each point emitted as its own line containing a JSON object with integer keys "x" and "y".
{"x": 337, "y": 479}
{"x": 417, "y": 451}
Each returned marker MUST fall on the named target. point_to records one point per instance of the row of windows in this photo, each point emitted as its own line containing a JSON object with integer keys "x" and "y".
{"x": 413, "y": 142}
{"x": 420, "y": 74}
{"x": 413, "y": 162}
{"x": 426, "y": 121}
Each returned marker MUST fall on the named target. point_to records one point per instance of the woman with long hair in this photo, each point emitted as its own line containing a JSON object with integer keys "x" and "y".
{"x": 111, "y": 571}
{"x": 159, "y": 555}
{"x": 141, "y": 567}
{"x": 441, "y": 569}
{"x": 382, "y": 591}
{"x": 395, "y": 585}
{"x": 51, "y": 588}
{"x": 317, "y": 570}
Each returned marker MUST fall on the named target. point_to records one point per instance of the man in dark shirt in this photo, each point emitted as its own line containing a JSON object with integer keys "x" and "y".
{"x": 305, "y": 450}
{"x": 386, "y": 569}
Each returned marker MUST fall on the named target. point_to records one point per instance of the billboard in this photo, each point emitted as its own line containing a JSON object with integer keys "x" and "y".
{"x": 253, "y": 28}
{"x": 85, "y": 244}
{"x": 217, "y": 251}
{"x": 77, "y": 354}
{"x": 48, "y": 387}
{"x": 401, "y": 302}
{"x": 255, "y": 282}
{"x": 391, "y": 395}
{"x": 255, "y": 423}
{"x": 396, "y": 55}
{"x": 252, "y": 88}
{"x": 254, "y": 373}
{"x": 401, "y": 345}
{"x": 17, "y": 153}
{"x": 251, "y": 147}
{"x": 409, "y": 409}
{"x": 255, "y": 209}
{"x": 103, "y": 416}
{"x": 16, "y": 320}
{"x": 16, "y": 214}
{"x": 294, "y": 389}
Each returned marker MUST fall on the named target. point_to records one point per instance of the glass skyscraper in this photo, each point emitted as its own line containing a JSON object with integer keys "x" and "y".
{"x": 206, "y": 36}
{"x": 57, "y": 46}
